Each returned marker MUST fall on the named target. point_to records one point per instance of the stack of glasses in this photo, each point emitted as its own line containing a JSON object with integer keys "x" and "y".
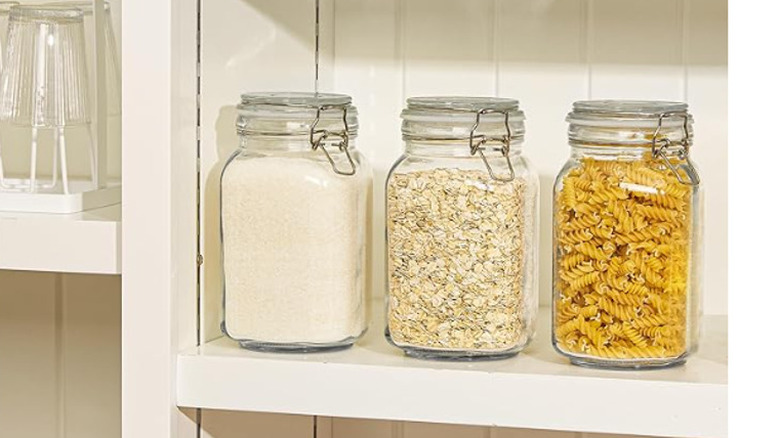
{"x": 47, "y": 90}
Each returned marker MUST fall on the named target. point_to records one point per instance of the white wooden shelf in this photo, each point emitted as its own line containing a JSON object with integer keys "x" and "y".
{"x": 538, "y": 389}
{"x": 88, "y": 242}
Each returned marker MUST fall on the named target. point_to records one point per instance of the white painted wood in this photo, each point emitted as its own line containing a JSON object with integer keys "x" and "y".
{"x": 159, "y": 300}
{"x": 323, "y": 427}
{"x": 91, "y": 356}
{"x": 359, "y": 428}
{"x": 532, "y": 433}
{"x": 29, "y": 381}
{"x": 82, "y": 198}
{"x": 86, "y": 242}
{"x": 636, "y": 49}
{"x": 448, "y": 47}
{"x": 707, "y": 85}
{"x": 547, "y": 54}
{"x": 231, "y": 424}
{"x": 428, "y": 430}
{"x": 374, "y": 380}
{"x": 59, "y": 370}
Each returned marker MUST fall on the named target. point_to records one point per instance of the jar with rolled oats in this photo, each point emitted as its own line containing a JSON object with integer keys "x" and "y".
{"x": 462, "y": 230}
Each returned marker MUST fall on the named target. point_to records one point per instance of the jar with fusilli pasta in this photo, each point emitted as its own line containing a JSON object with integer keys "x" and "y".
{"x": 627, "y": 237}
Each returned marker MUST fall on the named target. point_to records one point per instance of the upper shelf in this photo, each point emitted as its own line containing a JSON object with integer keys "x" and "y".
{"x": 538, "y": 389}
{"x": 88, "y": 242}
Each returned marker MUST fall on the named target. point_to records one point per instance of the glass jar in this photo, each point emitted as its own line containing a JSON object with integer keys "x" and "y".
{"x": 293, "y": 211}
{"x": 627, "y": 237}
{"x": 462, "y": 231}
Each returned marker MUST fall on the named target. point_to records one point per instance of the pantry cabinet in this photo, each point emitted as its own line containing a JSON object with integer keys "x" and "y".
{"x": 184, "y": 65}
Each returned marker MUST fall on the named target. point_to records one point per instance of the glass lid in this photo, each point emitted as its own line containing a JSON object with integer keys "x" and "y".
{"x": 295, "y": 99}
{"x": 630, "y": 123}
{"x": 461, "y": 103}
{"x": 295, "y": 113}
{"x": 637, "y": 113}
{"x": 455, "y": 117}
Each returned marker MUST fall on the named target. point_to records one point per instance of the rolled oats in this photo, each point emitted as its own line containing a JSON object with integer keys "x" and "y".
{"x": 456, "y": 261}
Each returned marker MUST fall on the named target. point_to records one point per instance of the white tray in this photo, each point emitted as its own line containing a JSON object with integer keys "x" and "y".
{"x": 83, "y": 198}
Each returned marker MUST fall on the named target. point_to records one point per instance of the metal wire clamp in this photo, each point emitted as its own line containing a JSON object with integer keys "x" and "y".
{"x": 476, "y": 143}
{"x": 318, "y": 137}
{"x": 661, "y": 145}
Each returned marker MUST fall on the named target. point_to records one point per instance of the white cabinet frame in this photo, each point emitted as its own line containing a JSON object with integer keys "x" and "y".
{"x": 159, "y": 215}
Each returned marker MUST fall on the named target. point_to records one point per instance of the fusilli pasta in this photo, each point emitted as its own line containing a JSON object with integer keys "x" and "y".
{"x": 622, "y": 253}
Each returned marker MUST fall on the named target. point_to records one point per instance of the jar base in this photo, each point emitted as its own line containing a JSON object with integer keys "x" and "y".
{"x": 268, "y": 347}
{"x": 627, "y": 365}
{"x": 453, "y": 355}
{"x": 293, "y": 347}
{"x": 457, "y": 356}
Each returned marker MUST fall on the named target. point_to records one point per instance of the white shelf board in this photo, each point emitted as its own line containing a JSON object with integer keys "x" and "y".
{"x": 537, "y": 389}
{"x": 87, "y": 242}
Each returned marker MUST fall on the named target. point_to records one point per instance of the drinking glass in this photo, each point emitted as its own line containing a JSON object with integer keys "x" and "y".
{"x": 44, "y": 82}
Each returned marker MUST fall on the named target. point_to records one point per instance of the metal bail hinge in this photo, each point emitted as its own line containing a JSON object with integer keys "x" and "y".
{"x": 661, "y": 145}
{"x": 476, "y": 143}
{"x": 318, "y": 137}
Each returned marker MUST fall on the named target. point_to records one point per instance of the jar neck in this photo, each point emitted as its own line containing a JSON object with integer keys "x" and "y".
{"x": 613, "y": 152}
{"x": 280, "y": 144}
{"x": 454, "y": 148}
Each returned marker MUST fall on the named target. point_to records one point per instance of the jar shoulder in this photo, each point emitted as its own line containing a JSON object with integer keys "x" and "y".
{"x": 521, "y": 166}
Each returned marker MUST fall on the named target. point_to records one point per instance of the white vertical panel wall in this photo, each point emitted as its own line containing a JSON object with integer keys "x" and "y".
{"x": 546, "y": 53}
{"x": 59, "y": 355}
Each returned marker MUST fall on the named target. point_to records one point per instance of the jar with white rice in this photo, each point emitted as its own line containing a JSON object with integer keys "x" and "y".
{"x": 294, "y": 210}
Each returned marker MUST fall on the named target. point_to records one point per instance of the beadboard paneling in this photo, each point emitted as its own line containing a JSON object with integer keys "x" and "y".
{"x": 546, "y": 53}
{"x": 635, "y": 49}
{"x": 707, "y": 94}
{"x": 230, "y": 424}
{"x": 448, "y": 47}
{"x": 59, "y": 355}
{"x": 29, "y": 355}
{"x": 352, "y": 428}
{"x": 91, "y": 355}
{"x": 532, "y": 433}
{"x": 426, "y": 430}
